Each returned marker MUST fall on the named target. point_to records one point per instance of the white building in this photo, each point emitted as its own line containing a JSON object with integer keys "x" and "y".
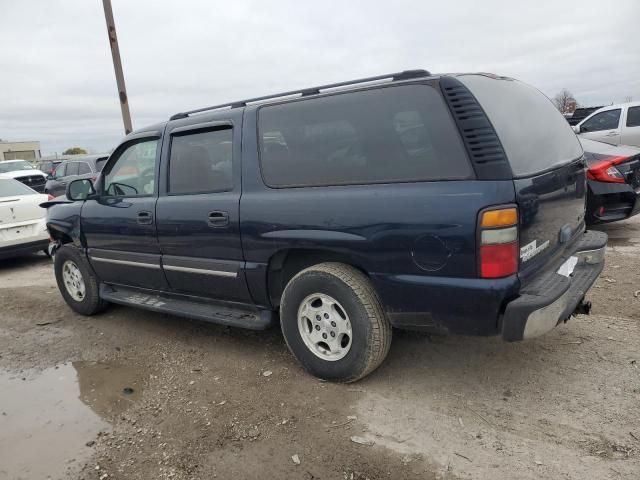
{"x": 23, "y": 150}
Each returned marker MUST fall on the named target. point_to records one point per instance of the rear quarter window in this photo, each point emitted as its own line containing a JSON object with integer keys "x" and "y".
{"x": 533, "y": 133}
{"x": 391, "y": 134}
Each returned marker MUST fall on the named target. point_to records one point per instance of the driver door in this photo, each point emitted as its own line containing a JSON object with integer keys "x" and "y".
{"x": 119, "y": 225}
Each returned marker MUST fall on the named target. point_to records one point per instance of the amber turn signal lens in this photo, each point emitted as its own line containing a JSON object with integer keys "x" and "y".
{"x": 499, "y": 218}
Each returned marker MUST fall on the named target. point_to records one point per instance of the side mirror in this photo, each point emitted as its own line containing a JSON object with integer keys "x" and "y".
{"x": 80, "y": 189}
{"x": 576, "y": 128}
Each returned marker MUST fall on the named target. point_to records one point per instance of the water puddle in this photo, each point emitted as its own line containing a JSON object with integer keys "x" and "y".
{"x": 47, "y": 417}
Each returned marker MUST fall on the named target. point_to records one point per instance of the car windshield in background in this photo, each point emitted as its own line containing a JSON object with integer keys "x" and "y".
{"x": 13, "y": 188}
{"x": 15, "y": 166}
{"x": 534, "y": 135}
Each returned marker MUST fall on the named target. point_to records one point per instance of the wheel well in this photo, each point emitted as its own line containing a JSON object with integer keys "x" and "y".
{"x": 58, "y": 235}
{"x": 285, "y": 264}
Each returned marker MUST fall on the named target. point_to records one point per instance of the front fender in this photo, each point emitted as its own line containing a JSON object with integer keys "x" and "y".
{"x": 63, "y": 222}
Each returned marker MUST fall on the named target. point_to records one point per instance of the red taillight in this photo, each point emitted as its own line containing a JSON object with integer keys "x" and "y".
{"x": 605, "y": 171}
{"x": 50, "y": 197}
{"x": 498, "y": 261}
{"x": 498, "y": 237}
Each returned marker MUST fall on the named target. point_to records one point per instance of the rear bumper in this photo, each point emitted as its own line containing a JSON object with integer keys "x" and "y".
{"x": 618, "y": 201}
{"x": 551, "y": 298}
{"x": 23, "y": 249}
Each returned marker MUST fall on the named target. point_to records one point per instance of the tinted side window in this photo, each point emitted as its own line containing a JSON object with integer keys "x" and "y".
{"x": 83, "y": 168}
{"x": 608, "y": 120}
{"x": 391, "y": 134}
{"x": 633, "y": 117}
{"x": 133, "y": 172}
{"x": 201, "y": 162}
{"x": 72, "y": 169}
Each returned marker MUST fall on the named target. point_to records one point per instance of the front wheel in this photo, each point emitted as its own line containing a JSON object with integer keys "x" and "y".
{"x": 76, "y": 282}
{"x": 333, "y": 322}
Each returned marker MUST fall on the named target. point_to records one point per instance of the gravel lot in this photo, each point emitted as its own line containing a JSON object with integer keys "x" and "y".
{"x": 138, "y": 395}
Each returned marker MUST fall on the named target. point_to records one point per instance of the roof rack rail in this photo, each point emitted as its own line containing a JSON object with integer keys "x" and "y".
{"x": 405, "y": 75}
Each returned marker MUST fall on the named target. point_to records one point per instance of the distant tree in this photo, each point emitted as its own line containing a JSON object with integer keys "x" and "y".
{"x": 565, "y": 101}
{"x": 628, "y": 99}
{"x": 74, "y": 151}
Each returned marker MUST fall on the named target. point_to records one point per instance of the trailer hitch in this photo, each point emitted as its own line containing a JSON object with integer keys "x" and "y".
{"x": 583, "y": 308}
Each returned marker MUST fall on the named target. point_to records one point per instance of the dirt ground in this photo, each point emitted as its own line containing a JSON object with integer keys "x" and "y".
{"x": 131, "y": 394}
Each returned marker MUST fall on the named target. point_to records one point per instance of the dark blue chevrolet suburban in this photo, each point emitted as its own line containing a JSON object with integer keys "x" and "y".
{"x": 410, "y": 200}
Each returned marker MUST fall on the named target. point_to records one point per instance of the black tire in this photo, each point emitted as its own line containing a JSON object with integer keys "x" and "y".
{"x": 91, "y": 302}
{"x": 371, "y": 330}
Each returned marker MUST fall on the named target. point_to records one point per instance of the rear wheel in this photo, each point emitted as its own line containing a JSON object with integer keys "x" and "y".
{"x": 333, "y": 322}
{"x": 76, "y": 282}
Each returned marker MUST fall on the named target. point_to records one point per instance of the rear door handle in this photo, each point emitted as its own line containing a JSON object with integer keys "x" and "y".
{"x": 145, "y": 218}
{"x": 218, "y": 218}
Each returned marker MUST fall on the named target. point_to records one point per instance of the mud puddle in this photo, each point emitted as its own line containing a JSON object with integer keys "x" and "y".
{"x": 49, "y": 418}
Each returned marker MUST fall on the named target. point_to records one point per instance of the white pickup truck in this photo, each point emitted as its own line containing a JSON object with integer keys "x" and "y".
{"x": 616, "y": 124}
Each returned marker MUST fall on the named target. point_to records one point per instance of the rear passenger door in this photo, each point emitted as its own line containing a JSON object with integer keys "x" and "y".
{"x": 198, "y": 209}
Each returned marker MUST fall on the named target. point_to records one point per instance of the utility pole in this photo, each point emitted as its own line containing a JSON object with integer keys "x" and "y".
{"x": 117, "y": 66}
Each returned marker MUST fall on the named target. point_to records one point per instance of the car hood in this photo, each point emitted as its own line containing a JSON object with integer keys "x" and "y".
{"x": 21, "y": 173}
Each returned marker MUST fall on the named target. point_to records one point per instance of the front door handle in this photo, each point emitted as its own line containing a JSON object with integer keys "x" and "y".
{"x": 145, "y": 218}
{"x": 612, "y": 133}
{"x": 218, "y": 218}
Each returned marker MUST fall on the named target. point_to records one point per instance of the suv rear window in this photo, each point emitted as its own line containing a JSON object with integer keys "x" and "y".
{"x": 391, "y": 134}
{"x": 534, "y": 135}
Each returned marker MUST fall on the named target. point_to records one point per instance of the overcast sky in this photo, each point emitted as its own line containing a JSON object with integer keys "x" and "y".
{"x": 57, "y": 83}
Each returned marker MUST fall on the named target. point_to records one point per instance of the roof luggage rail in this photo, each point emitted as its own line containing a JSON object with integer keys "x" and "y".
{"x": 394, "y": 77}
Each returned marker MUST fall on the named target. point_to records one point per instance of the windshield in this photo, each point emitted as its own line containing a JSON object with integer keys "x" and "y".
{"x": 13, "y": 166}
{"x": 13, "y": 188}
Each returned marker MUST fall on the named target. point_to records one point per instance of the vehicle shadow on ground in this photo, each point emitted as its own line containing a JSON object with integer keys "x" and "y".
{"x": 412, "y": 356}
{"x": 419, "y": 361}
{"x": 25, "y": 261}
